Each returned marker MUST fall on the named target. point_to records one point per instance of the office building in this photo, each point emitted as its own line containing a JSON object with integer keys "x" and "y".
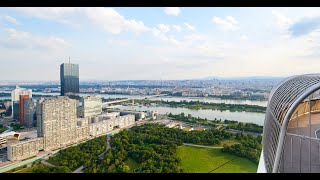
{"x": 291, "y": 132}
{"x": 69, "y": 79}
{"x": 29, "y": 113}
{"x": 91, "y": 106}
{"x": 15, "y": 110}
{"x": 21, "y": 108}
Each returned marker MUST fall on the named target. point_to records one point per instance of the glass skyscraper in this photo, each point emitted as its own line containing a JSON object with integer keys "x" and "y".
{"x": 69, "y": 78}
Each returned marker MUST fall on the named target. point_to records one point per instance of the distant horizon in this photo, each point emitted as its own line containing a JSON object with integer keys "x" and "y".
{"x": 198, "y": 79}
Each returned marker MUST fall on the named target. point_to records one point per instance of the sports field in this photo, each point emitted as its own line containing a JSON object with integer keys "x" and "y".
{"x": 205, "y": 160}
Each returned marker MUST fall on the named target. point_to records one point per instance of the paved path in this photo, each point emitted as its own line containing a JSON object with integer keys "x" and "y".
{"x": 101, "y": 156}
{"x": 196, "y": 145}
{"x": 79, "y": 170}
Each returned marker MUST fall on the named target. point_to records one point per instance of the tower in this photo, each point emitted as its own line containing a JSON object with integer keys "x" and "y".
{"x": 69, "y": 79}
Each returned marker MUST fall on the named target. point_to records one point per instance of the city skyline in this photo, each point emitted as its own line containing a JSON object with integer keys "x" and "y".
{"x": 158, "y": 43}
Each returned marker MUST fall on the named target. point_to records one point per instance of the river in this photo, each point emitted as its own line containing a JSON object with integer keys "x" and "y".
{"x": 257, "y": 118}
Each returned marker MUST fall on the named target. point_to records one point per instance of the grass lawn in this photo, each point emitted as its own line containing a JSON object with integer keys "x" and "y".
{"x": 238, "y": 165}
{"x": 131, "y": 163}
{"x": 204, "y": 160}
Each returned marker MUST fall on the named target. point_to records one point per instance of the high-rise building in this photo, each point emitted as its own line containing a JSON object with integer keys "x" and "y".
{"x": 29, "y": 113}
{"x": 91, "y": 106}
{"x": 69, "y": 79}
{"x": 21, "y": 108}
{"x": 57, "y": 120}
{"x": 15, "y": 98}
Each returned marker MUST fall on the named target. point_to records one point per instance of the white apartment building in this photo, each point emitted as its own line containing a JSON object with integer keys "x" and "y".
{"x": 15, "y": 94}
{"x": 24, "y": 149}
{"x": 91, "y": 106}
{"x": 58, "y": 121}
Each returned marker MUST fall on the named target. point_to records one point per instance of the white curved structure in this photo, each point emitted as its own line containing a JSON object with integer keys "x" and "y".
{"x": 289, "y": 138}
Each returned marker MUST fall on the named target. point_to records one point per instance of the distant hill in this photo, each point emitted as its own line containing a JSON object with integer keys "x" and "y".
{"x": 244, "y": 78}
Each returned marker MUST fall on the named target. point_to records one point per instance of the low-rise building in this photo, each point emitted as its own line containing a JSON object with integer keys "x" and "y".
{"x": 24, "y": 149}
{"x": 106, "y": 124}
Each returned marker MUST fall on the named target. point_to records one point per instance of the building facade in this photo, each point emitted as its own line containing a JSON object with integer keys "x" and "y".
{"x": 105, "y": 124}
{"x": 138, "y": 115}
{"x": 15, "y": 94}
{"x": 291, "y": 135}
{"x": 69, "y": 79}
{"x": 24, "y": 149}
{"x": 15, "y": 98}
{"x": 29, "y": 113}
{"x": 21, "y": 108}
{"x": 91, "y": 106}
{"x": 58, "y": 119}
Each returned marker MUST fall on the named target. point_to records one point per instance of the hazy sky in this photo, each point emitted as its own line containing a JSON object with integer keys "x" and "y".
{"x": 158, "y": 43}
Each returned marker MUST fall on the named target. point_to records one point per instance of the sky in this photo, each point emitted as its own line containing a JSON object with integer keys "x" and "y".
{"x": 162, "y": 43}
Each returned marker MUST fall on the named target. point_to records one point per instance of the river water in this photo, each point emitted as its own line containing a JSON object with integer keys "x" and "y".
{"x": 257, "y": 118}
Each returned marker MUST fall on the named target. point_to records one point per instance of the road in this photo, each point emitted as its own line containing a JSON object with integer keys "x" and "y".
{"x": 196, "y": 145}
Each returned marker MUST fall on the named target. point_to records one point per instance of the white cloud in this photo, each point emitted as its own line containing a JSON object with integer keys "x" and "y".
{"x": 177, "y": 28}
{"x": 244, "y": 37}
{"x": 111, "y": 21}
{"x": 281, "y": 20}
{"x": 21, "y": 39}
{"x": 10, "y": 19}
{"x": 163, "y": 37}
{"x": 189, "y": 26}
{"x": 174, "y": 11}
{"x": 106, "y": 18}
{"x": 227, "y": 24}
{"x": 164, "y": 28}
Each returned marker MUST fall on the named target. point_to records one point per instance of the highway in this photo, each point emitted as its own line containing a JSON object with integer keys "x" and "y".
{"x": 130, "y": 99}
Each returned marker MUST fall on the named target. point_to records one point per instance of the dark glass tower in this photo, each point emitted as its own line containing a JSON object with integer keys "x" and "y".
{"x": 69, "y": 78}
